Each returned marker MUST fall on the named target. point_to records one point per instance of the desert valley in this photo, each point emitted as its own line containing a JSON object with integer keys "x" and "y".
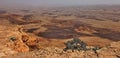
{"x": 42, "y": 32}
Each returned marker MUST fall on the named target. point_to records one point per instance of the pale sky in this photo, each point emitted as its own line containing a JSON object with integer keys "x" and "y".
{"x": 57, "y": 2}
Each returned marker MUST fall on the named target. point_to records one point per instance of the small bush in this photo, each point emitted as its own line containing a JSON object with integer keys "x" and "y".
{"x": 75, "y": 44}
{"x": 12, "y": 38}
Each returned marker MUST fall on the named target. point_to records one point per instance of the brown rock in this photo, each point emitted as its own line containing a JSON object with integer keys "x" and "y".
{"x": 18, "y": 46}
{"x": 29, "y": 40}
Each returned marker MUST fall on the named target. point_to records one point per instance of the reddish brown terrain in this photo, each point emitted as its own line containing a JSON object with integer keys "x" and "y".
{"x": 25, "y": 32}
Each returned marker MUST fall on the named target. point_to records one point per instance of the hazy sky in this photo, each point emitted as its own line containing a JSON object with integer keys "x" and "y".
{"x": 57, "y": 2}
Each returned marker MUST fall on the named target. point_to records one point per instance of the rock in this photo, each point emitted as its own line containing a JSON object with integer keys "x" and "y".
{"x": 6, "y": 51}
{"x": 22, "y": 41}
{"x": 115, "y": 44}
{"x": 29, "y": 40}
{"x": 54, "y": 52}
{"x": 113, "y": 51}
{"x": 2, "y": 54}
{"x": 18, "y": 46}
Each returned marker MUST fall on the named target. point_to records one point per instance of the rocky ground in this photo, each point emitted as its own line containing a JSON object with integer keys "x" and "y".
{"x": 111, "y": 51}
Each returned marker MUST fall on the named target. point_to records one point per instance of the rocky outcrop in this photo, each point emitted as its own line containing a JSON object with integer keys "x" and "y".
{"x": 23, "y": 41}
{"x": 111, "y": 51}
{"x": 18, "y": 45}
{"x": 15, "y": 39}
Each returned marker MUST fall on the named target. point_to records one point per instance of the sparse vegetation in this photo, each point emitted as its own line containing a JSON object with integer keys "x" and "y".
{"x": 12, "y": 38}
{"x": 75, "y": 44}
{"x": 95, "y": 49}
